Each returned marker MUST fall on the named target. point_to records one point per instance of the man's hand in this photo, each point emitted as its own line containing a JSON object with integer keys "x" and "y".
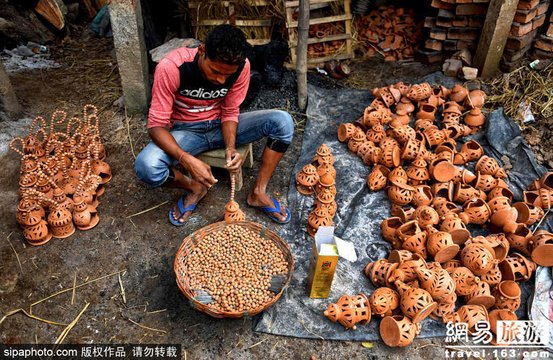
{"x": 199, "y": 170}
{"x": 234, "y": 159}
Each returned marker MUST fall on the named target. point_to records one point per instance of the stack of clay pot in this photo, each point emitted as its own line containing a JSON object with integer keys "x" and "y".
{"x": 62, "y": 175}
{"x": 319, "y": 179}
{"x": 437, "y": 187}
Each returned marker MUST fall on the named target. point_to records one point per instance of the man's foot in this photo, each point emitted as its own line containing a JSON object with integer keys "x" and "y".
{"x": 195, "y": 194}
{"x": 264, "y": 200}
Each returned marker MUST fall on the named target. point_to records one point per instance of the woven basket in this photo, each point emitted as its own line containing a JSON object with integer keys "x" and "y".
{"x": 193, "y": 239}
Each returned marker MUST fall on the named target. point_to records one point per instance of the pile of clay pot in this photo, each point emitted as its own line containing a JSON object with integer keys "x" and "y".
{"x": 62, "y": 175}
{"x": 319, "y": 178}
{"x": 433, "y": 200}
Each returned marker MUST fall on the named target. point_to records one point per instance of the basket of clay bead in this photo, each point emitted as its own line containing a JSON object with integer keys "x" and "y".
{"x": 233, "y": 269}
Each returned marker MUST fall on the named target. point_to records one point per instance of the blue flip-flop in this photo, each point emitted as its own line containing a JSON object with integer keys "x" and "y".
{"x": 182, "y": 210}
{"x": 267, "y": 210}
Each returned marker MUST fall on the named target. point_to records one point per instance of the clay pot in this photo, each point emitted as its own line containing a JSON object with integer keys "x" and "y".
{"x": 355, "y": 141}
{"x": 346, "y": 131}
{"x": 546, "y": 182}
{"x": 400, "y": 195}
{"x": 502, "y": 315}
{"x": 376, "y": 134}
{"x": 379, "y": 272}
{"x": 434, "y": 136}
{"x": 426, "y": 216}
{"x": 528, "y": 214}
{"x": 35, "y": 230}
{"x": 475, "y": 99}
{"x": 453, "y": 224}
{"x": 507, "y": 295}
{"x": 520, "y": 238}
{"x": 233, "y": 212}
{"x": 388, "y": 141}
{"x": 418, "y": 172}
{"x": 451, "y": 265}
{"x": 487, "y": 182}
{"x": 441, "y": 247}
{"x": 323, "y": 156}
{"x": 306, "y": 179}
{"x": 326, "y": 168}
{"x": 499, "y": 245}
{"x": 477, "y": 258}
{"x": 403, "y": 133}
{"x": 458, "y": 93}
{"x": 389, "y": 228}
{"x": 365, "y": 147}
{"x": 400, "y": 256}
{"x": 413, "y": 238}
{"x": 443, "y": 309}
{"x": 317, "y": 218}
{"x": 419, "y": 92}
{"x": 464, "y": 280}
{"x": 398, "y": 331}
{"x": 415, "y": 303}
{"x": 456, "y": 130}
{"x": 451, "y": 115}
{"x": 475, "y": 211}
{"x": 492, "y": 277}
{"x": 84, "y": 216}
{"x": 378, "y": 178}
{"x": 470, "y": 315}
{"x": 445, "y": 207}
{"x": 402, "y": 116}
{"x": 390, "y": 156}
{"x": 542, "y": 198}
{"x": 350, "y": 310}
{"x": 438, "y": 283}
{"x": 422, "y": 195}
{"x": 517, "y": 268}
{"x": 384, "y": 301}
{"x": 405, "y": 105}
{"x": 503, "y": 217}
{"x": 406, "y": 272}
{"x": 541, "y": 247}
{"x": 470, "y": 151}
{"x": 427, "y": 111}
{"x": 326, "y": 195}
{"x": 372, "y": 117}
{"x": 461, "y": 193}
{"x": 500, "y": 191}
{"x": 372, "y": 156}
{"x": 489, "y": 166}
{"x": 443, "y": 170}
{"x": 390, "y": 96}
{"x": 480, "y": 295}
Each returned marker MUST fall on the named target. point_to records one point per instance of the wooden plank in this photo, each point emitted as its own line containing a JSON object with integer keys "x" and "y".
{"x": 313, "y": 62}
{"x": 494, "y": 36}
{"x": 327, "y": 38}
{"x": 291, "y": 34}
{"x": 258, "y": 41}
{"x": 347, "y": 10}
{"x": 323, "y": 20}
{"x": 194, "y": 4}
{"x": 237, "y": 23}
{"x": 289, "y": 4}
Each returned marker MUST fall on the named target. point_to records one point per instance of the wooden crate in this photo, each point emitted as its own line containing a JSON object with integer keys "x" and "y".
{"x": 292, "y": 24}
{"x": 262, "y": 23}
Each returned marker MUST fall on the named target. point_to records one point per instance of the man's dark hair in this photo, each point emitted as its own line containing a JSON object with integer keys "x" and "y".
{"x": 227, "y": 44}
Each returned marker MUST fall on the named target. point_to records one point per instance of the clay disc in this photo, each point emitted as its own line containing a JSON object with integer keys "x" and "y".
{"x": 447, "y": 253}
{"x": 390, "y": 331}
{"x": 543, "y": 255}
{"x": 444, "y": 171}
{"x": 427, "y": 310}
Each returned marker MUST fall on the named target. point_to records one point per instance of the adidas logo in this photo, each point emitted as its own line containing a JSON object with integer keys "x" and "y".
{"x": 202, "y": 94}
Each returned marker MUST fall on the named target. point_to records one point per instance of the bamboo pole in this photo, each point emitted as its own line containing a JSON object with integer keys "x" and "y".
{"x": 301, "y": 64}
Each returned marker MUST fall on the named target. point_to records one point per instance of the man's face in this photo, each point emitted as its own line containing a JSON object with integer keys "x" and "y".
{"x": 214, "y": 71}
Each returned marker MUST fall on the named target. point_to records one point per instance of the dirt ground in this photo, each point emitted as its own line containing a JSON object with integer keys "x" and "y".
{"x": 142, "y": 247}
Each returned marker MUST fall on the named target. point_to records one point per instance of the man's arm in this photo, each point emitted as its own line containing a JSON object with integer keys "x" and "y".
{"x": 199, "y": 170}
{"x": 230, "y": 109}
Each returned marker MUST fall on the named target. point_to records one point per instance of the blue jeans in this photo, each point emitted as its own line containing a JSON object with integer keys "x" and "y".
{"x": 152, "y": 164}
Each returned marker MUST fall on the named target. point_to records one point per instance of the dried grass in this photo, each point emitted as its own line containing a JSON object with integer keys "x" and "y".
{"x": 522, "y": 85}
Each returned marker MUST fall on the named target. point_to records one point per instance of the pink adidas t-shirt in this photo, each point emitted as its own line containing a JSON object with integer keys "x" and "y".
{"x": 181, "y": 94}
